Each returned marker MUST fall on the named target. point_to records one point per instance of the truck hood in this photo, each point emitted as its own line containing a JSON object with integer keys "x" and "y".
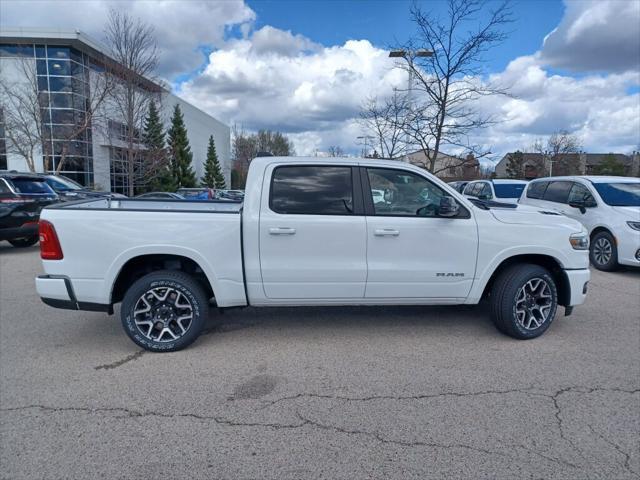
{"x": 529, "y": 215}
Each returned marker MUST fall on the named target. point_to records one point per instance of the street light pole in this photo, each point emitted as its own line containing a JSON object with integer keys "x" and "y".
{"x": 365, "y": 138}
{"x": 410, "y": 55}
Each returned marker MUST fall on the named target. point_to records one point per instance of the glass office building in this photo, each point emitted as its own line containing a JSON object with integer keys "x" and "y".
{"x": 64, "y": 66}
{"x": 62, "y": 75}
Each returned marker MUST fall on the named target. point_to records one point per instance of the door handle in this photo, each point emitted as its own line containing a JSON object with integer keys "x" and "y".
{"x": 386, "y": 232}
{"x": 282, "y": 231}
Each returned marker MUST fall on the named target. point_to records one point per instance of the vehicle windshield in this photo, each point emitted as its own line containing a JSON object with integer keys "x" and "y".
{"x": 619, "y": 194}
{"x": 62, "y": 184}
{"x": 26, "y": 185}
{"x": 509, "y": 190}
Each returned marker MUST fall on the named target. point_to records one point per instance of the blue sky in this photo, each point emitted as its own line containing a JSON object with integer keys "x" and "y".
{"x": 386, "y": 23}
{"x": 306, "y": 67}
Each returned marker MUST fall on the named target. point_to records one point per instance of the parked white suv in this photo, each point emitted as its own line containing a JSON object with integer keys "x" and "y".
{"x": 609, "y": 207}
{"x": 502, "y": 191}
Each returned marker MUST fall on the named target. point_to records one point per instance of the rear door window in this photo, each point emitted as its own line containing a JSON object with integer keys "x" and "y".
{"x": 312, "y": 190}
{"x": 558, "y": 192}
{"x": 536, "y": 190}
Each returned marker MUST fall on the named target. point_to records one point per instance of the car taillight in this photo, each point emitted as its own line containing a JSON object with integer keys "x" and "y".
{"x": 50, "y": 248}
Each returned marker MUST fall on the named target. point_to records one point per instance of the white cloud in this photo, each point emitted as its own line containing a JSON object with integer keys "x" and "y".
{"x": 181, "y": 27}
{"x": 274, "y": 79}
{"x": 314, "y": 93}
{"x": 595, "y": 35}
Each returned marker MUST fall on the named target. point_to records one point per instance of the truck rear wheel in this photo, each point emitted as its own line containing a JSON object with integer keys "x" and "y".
{"x": 524, "y": 300}
{"x": 164, "y": 311}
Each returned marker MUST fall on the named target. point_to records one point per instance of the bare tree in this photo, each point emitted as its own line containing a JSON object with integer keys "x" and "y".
{"x": 448, "y": 84}
{"x": 561, "y": 152}
{"x": 336, "y": 151}
{"x": 385, "y": 121}
{"x": 133, "y": 47}
{"x": 21, "y": 104}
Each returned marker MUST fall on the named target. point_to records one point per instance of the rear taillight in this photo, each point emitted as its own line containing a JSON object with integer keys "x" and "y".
{"x": 50, "y": 248}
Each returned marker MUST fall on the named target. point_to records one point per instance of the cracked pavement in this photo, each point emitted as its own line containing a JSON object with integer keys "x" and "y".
{"x": 384, "y": 392}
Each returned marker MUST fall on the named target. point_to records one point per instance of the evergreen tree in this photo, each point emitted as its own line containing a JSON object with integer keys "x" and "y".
{"x": 158, "y": 164}
{"x": 515, "y": 165}
{"x": 213, "y": 177}
{"x": 180, "y": 151}
{"x": 610, "y": 166}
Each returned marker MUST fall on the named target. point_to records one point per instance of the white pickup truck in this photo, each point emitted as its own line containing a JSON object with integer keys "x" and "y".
{"x": 310, "y": 233}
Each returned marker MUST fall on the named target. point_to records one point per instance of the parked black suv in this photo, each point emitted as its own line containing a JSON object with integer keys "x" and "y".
{"x": 69, "y": 190}
{"x": 22, "y": 196}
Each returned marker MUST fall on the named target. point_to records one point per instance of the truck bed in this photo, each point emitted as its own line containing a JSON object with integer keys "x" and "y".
{"x": 98, "y": 238}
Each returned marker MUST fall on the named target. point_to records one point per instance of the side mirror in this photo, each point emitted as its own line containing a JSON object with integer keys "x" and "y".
{"x": 448, "y": 207}
{"x": 579, "y": 204}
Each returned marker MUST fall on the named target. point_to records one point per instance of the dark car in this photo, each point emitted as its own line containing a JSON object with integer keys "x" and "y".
{"x": 69, "y": 190}
{"x": 160, "y": 196}
{"x": 22, "y": 196}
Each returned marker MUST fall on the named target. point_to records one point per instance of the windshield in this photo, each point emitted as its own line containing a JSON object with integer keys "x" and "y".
{"x": 62, "y": 184}
{"x": 23, "y": 185}
{"x": 509, "y": 190}
{"x": 619, "y": 194}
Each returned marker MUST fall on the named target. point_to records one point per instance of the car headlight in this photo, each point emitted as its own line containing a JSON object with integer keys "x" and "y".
{"x": 579, "y": 241}
{"x": 634, "y": 225}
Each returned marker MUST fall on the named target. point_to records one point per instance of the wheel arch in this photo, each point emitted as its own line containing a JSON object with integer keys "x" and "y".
{"x": 600, "y": 229}
{"x": 546, "y": 261}
{"x": 140, "y": 265}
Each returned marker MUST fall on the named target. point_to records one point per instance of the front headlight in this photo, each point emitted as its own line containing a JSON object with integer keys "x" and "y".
{"x": 634, "y": 225}
{"x": 579, "y": 241}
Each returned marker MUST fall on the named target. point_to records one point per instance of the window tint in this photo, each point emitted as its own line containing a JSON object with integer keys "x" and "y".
{"x": 403, "y": 193}
{"x": 3, "y": 187}
{"x": 536, "y": 189}
{"x": 580, "y": 193}
{"x": 558, "y": 192}
{"x": 312, "y": 190}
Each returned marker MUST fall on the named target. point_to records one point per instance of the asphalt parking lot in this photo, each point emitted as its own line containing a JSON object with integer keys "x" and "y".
{"x": 409, "y": 392}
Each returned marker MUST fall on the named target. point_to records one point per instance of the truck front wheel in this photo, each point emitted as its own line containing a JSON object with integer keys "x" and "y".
{"x": 164, "y": 311}
{"x": 524, "y": 299}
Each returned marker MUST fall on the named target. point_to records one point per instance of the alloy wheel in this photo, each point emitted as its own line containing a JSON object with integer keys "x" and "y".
{"x": 163, "y": 314}
{"x": 534, "y": 302}
{"x": 602, "y": 251}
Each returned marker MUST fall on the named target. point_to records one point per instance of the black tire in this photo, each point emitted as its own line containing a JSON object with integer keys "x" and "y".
{"x": 181, "y": 289}
{"x": 603, "y": 252}
{"x": 510, "y": 312}
{"x": 24, "y": 242}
